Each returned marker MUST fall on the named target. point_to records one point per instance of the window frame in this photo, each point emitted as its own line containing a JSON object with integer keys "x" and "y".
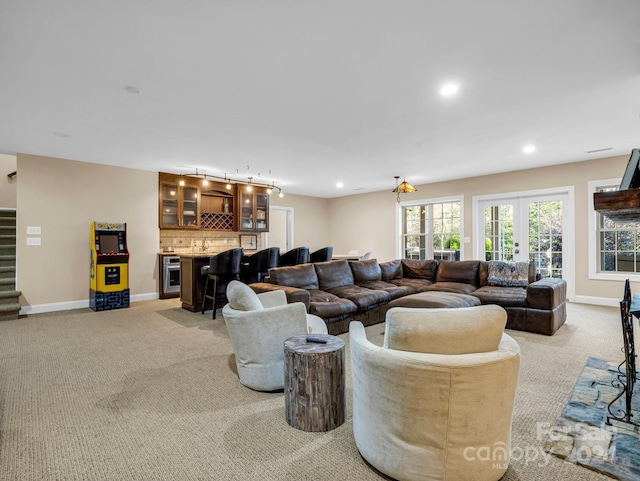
{"x": 594, "y": 229}
{"x": 433, "y": 200}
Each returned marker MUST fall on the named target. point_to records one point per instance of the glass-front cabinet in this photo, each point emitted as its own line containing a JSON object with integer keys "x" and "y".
{"x": 179, "y": 205}
{"x": 211, "y": 206}
{"x": 254, "y": 210}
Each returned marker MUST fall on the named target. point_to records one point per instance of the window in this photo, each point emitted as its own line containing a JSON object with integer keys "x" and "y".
{"x": 614, "y": 246}
{"x": 431, "y": 230}
{"x": 618, "y": 243}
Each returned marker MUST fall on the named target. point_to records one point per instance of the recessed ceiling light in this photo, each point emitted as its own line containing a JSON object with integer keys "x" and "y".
{"x": 339, "y": 185}
{"x": 527, "y": 149}
{"x": 449, "y": 89}
{"x": 132, "y": 90}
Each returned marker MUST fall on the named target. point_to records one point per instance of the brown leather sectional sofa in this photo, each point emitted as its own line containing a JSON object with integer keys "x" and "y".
{"x": 341, "y": 291}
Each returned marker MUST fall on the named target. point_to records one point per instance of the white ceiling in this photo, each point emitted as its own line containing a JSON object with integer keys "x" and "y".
{"x": 308, "y": 93}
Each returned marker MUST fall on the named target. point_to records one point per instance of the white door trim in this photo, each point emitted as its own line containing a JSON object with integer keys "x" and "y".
{"x": 568, "y": 231}
{"x": 289, "y": 227}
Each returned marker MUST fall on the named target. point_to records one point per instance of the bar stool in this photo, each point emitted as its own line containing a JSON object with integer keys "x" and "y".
{"x": 322, "y": 255}
{"x": 222, "y": 268}
{"x": 257, "y": 266}
{"x": 297, "y": 255}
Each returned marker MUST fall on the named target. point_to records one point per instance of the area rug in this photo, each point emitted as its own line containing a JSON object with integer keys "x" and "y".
{"x": 582, "y": 434}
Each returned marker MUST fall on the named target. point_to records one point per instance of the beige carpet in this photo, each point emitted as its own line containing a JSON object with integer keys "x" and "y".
{"x": 150, "y": 393}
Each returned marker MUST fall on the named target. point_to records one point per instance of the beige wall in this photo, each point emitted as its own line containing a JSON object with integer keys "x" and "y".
{"x": 367, "y": 221}
{"x": 311, "y": 220}
{"x": 8, "y": 189}
{"x": 64, "y": 197}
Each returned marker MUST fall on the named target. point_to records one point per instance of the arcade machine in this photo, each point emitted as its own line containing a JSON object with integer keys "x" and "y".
{"x": 109, "y": 266}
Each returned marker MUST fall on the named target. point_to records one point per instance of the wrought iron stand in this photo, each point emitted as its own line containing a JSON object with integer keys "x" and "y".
{"x": 625, "y": 380}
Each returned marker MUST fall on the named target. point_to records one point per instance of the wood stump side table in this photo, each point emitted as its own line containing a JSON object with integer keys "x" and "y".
{"x": 314, "y": 385}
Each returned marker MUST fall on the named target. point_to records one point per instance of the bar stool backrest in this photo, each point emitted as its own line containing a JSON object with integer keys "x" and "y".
{"x": 297, "y": 255}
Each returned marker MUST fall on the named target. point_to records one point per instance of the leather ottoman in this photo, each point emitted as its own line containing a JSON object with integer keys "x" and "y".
{"x": 435, "y": 299}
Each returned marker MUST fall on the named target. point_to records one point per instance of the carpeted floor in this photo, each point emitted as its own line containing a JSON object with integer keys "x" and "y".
{"x": 150, "y": 393}
{"x": 586, "y": 433}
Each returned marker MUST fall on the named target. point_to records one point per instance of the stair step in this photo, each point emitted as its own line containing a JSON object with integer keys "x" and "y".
{"x": 10, "y": 294}
{"x": 7, "y": 285}
{"x": 7, "y": 269}
{"x": 5, "y": 308}
{"x": 9, "y": 312}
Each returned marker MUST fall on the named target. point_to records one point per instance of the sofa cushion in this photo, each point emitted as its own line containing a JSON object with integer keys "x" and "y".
{"x": 465, "y": 272}
{"x": 463, "y": 330}
{"x": 333, "y": 274}
{"x": 393, "y": 290}
{"x": 328, "y": 306}
{"x": 415, "y": 284}
{"x": 456, "y": 287}
{"x": 367, "y": 270}
{"x": 391, "y": 270}
{"x": 502, "y": 296}
{"x": 508, "y": 273}
{"x": 435, "y": 300}
{"x": 361, "y": 297}
{"x": 242, "y": 297}
{"x": 420, "y": 269}
{"x": 302, "y": 276}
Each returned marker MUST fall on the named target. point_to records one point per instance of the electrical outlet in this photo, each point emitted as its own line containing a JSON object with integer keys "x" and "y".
{"x": 31, "y": 229}
{"x": 33, "y": 241}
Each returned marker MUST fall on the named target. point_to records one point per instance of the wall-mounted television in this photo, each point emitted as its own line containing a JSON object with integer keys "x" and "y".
{"x": 631, "y": 179}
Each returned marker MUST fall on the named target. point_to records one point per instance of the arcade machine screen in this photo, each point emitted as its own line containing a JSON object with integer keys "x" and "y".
{"x": 109, "y": 243}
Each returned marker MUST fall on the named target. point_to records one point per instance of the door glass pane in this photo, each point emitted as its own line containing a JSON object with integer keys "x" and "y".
{"x": 545, "y": 237}
{"x": 499, "y": 232}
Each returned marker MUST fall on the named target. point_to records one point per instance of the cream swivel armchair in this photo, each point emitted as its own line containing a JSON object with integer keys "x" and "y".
{"x": 258, "y": 325}
{"x": 436, "y": 401}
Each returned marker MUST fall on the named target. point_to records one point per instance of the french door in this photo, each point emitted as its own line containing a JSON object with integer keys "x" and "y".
{"x": 533, "y": 227}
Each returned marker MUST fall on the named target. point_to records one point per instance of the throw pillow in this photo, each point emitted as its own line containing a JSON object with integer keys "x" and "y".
{"x": 242, "y": 297}
{"x": 462, "y": 330}
{"x": 508, "y": 273}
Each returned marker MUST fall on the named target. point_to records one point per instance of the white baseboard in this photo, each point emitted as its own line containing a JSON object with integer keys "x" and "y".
{"x": 65, "y": 306}
{"x": 598, "y": 301}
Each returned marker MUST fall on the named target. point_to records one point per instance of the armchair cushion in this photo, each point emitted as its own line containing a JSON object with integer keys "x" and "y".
{"x": 463, "y": 330}
{"x": 242, "y": 297}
